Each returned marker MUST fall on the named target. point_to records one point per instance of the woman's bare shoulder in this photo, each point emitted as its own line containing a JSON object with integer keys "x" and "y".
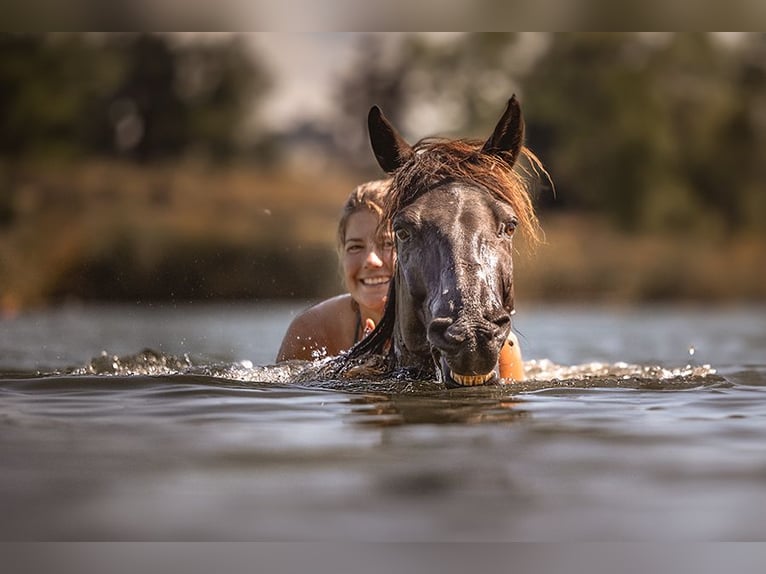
{"x": 320, "y": 328}
{"x": 338, "y": 304}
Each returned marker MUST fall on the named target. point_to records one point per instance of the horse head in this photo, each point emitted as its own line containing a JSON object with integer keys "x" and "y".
{"x": 454, "y": 206}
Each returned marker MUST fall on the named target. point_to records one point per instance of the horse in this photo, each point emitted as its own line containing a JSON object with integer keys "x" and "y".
{"x": 454, "y": 208}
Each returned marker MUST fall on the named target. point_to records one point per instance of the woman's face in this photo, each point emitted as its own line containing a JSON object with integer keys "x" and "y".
{"x": 368, "y": 260}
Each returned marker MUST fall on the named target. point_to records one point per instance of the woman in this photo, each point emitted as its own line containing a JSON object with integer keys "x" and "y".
{"x": 367, "y": 257}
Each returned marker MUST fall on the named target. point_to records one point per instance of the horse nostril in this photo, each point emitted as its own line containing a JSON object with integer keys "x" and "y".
{"x": 441, "y": 323}
{"x": 495, "y": 326}
{"x": 452, "y": 336}
{"x": 502, "y": 321}
{"x": 441, "y": 333}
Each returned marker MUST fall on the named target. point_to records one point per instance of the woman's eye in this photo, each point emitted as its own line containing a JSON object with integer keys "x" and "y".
{"x": 388, "y": 244}
{"x": 353, "y": 248}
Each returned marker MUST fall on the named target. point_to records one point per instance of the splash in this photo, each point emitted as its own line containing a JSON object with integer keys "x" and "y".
{"x": 545, "y": 370}
{"x": 152, "y": 363}
{"x": 147, "y": 362}
{"x": 541, "y": 374}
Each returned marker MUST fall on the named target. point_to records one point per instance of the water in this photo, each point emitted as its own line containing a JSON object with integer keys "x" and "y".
{"x": 643, "y": 424}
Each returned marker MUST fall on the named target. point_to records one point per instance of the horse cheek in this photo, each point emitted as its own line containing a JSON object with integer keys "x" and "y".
{"x": 411, "y": 327}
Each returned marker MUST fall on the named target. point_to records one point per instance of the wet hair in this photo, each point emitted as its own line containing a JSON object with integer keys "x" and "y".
{"x": 371, "y": 196}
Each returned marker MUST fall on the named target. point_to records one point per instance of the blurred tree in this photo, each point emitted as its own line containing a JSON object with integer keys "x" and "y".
{"x": 648, "y": 129}
{"x": 426, "y": 84}
{"x": 375, "y": 78}
{"x": 659, "y": 132}
{"x": 180, "y": 95}
{"x": 695, "y": 79}
{"x": 221, "y": 85}
{"x": 464, "y": 78}
{"x": 746, "y": 135}
{"x": 46, "y": 85}
{"x": 145, "y": 96}
{"x": 597, "y": 123}
{"x": 145, "y": 114}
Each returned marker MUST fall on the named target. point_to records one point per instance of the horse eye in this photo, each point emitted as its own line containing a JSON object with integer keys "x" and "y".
{"x": 402, "y": 234}
{"x": 508, "y": 227}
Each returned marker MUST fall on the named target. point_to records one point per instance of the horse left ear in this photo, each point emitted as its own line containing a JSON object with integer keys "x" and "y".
{"x": 389, "y": 147}
{"x": 508, "y": 137}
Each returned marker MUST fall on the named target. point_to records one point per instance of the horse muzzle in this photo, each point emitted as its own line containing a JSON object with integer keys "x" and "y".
{"x": 454, "y": 379}
{"x": 466, "y": 354}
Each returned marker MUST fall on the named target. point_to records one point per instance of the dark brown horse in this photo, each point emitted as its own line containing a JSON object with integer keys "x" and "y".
{"x": 454, "y": 206}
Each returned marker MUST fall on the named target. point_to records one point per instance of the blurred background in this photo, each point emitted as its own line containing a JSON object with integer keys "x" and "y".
{"x": 212, "y": 166}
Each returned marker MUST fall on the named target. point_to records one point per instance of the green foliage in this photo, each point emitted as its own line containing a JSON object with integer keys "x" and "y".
{"x": 659, "y": 132}
{"x": 651, "y": 131}
{"x": 44, "y": 84}
{"x": 463, "y": 78}
{"x": 140, "y": 96}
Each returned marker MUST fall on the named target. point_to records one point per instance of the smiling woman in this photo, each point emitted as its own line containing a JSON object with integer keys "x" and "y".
{"x": 366, "y": 251}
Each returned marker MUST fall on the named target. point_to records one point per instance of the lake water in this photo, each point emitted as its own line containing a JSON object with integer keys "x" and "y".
{"x": 171, "y": 423}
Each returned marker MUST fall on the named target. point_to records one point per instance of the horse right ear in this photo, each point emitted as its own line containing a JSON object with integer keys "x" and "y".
{"x": 389, "y": 147}
{"x": 508, "y": 137}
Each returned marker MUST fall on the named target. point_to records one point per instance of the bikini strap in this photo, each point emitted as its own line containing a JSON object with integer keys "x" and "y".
{"x": 358, "y": 330}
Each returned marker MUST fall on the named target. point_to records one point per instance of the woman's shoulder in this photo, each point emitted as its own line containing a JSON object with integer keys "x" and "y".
{"x": 321, "y": 316}
{"x": 339, "y": 303}
{"x": 324, "y": 325}
{"x": 330, "y": 312}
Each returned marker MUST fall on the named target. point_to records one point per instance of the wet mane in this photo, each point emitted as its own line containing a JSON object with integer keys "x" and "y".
{"x": 436, "y": 161}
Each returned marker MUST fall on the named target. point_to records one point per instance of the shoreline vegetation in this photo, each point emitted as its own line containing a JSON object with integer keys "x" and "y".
{"x": 113, "y": 231}
{"x": 144, "y": 168}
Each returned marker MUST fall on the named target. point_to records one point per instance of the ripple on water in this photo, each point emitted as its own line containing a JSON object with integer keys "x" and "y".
{"x": 541, "y": 375}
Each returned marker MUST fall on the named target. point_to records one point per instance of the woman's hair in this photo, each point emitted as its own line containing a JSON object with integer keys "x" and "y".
{"x": 371, "y": 196}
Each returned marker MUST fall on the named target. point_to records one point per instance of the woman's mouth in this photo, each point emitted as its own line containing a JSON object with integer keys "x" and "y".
{"x": 374, "y": 281}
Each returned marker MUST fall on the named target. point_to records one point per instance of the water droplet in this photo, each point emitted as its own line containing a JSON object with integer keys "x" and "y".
{"x": 691, "y": 351}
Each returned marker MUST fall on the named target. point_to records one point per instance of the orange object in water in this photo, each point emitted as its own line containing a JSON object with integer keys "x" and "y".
{"x": 510, "y": 365}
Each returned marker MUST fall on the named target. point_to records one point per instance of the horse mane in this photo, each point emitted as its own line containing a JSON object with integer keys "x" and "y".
{"x": 377, "y": 343}
{"x": 436, "y": 161}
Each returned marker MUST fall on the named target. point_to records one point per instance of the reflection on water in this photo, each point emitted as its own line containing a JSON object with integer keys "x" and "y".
{"x": 636, "y": 439}
{"x": 391, "y": 410}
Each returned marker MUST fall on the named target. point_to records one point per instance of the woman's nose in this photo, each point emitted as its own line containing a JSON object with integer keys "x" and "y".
{"x": 373, "y": 259}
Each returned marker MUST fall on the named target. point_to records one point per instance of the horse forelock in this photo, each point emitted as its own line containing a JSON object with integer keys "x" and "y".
{"x": 437, "y": 161}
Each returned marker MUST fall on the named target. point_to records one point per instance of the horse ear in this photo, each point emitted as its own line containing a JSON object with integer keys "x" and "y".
{"x": 389, "y": 147}
{"x": 508, "y": 137}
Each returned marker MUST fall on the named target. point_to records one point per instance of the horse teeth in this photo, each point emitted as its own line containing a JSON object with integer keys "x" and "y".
{"x": 471, "y": 380}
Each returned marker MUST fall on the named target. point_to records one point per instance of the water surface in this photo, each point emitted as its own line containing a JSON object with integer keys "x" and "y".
{"x": 172, "y": 423}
